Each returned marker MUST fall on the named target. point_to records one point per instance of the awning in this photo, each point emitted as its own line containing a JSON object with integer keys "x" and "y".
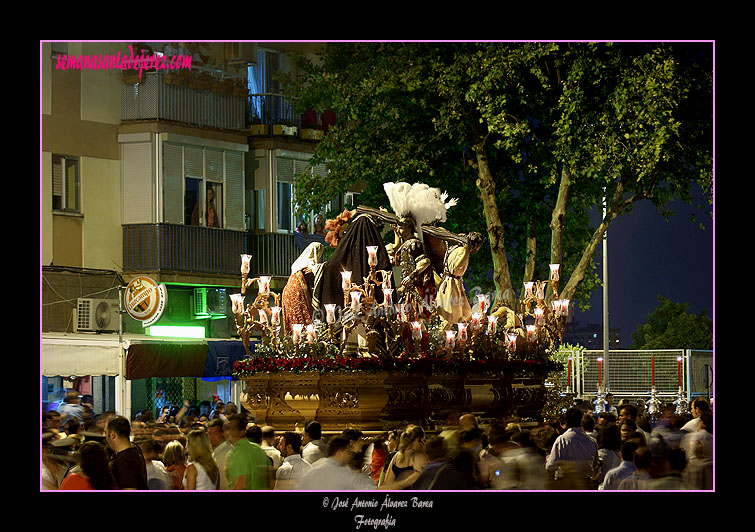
{"x": 146, "y": 356}
{"x": 79, "y": 355}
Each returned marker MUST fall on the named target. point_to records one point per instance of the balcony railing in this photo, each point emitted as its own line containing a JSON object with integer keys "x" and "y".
{"x": 182, "y": 248}
{"x": 202, "y": 250}
{"x": 271, "y": 110}
{"x": 194, "y": 101}
{"x": 272, "y": 254}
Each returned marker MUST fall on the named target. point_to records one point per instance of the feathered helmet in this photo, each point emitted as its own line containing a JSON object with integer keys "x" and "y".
{"x": 419, "y": 201}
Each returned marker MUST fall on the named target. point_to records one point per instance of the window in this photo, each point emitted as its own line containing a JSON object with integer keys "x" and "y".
{"x": 285, "y": 206}
{"x": 65, "y": 184}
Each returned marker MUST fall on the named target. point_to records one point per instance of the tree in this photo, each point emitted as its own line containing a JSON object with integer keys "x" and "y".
{"x": 670, "y": 326}
{"x": 530, "y": 136}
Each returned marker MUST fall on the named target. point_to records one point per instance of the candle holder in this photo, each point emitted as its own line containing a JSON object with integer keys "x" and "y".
{"x": 654, "y": 404}
{"x": 600, "y": 400}
{"x": 681, "y": 403}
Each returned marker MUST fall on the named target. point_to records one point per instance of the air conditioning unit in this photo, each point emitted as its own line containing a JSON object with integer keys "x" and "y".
{"x": 97, "y": 314}
{"x": 241, "y": 53}
{"x": 209, "y": 302}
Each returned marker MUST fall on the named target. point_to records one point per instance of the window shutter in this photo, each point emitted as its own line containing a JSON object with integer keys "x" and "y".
{"x": 57, "y": 176}
{"x": 234, "y": 186}
{"x": 136, "y": 159}
{"x": 284, "y": 169}
{"x": 214, "y": 165}
{"x": 193, "y": 162}
{"x": 173, "y": 183}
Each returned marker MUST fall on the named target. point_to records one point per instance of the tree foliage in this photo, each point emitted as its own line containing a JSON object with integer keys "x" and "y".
{"x": 529, "y": 136}
{"x": 670, "y": 326}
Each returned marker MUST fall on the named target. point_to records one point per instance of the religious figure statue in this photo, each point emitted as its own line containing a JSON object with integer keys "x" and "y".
{"x": 453, "y": 305}
{"x": 298, "y": 296}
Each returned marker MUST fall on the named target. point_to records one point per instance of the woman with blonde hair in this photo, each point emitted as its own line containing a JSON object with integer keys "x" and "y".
{"x": 174, "y": 459}
{"x": 201, "y": 472}
{"x": 409, "y": 460}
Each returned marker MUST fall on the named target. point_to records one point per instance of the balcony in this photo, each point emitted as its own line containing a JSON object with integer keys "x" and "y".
{"x": 199, "y": 250}
{"x": 274, "y": 114}
{"x": 194, "y": 99}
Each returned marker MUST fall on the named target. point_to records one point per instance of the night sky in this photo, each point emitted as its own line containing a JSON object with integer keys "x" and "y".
{"x": 648, "y": 256}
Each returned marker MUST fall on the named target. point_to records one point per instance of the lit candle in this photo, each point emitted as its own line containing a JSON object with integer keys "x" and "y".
{"x": 330, "y": 313}
{"x": 401, "y": 310}
{"x": 372, "y": 256}
{"x": 237, "y": 303}
{"x": 310, "y": 334}
{"x": 263, "y": 316}
{"x": 416, "y": 330}
{"x": 387, "y": 297}
{"x": 564, "y": 308}
{"x": 540, "y": 290}
{"x": 492, "y": 322}
{"x": 475, "y": 321}
{"x": 528, "y": 289}
{"x": 554, "y": 271}
{"x": 679, "y": 370}
{"x": 530, "y": 332}
{"x": 539, "y": 313}
{"x": 450, "y": 339}
{"x": 557, "y": 308}
{"x": 275, "y": 316}
{"x": 600, "y": 373}
{"x": 652, "y": 371}
{"x": 386, "y": 279}
{"x": 482, "y": 301}
{"x": 355, "y": 297}
{"x": 512, "y": 342}
{"x": 345, "y": 280}
{"x": 296, "y": 332}
{"x": 245, "y": 260}
{"x": 264, "y": 285}
{"x": 462, "y": 331}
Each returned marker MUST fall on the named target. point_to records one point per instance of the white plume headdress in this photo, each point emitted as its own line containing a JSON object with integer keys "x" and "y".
{"x": 423, "y": 203}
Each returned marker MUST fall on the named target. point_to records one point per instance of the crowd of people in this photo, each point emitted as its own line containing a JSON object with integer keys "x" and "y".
{"x": 185, "y": 449}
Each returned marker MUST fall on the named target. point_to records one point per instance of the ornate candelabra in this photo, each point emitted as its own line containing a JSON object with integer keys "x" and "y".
{"x": 259, "y": 314}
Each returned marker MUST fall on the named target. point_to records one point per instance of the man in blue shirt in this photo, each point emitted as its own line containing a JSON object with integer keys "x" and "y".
{"x": 574, "y": 455}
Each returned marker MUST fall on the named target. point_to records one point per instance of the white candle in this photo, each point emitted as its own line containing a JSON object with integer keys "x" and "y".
{"x": 264, "y": 285}
{"x": 540, "y": 290}
{"x": 416, "y": 330}
{"x": 492, "y": 323}
{"x": 512, "y": 342}
{"x": 401, "y": 309}
{"x": 554, "y": 271}
{"x": 462, "y": 331}
{"x": 330, "y": 313}
{"x": 355, "y": 297}
{"x": 296, "y": 332}
{"x": 245, "y": 260}
{"x": 386, "y": 279}
{"x": 557, "y": 307}
{"x": 564, "y": 308}
{"x": 483, "y": 302}
{"x": 528, "y": 289}
{"x": 372, "y": 256}
{"x": 387, "y": 297}
{"x": 311, "y": 334}
{"x": 530, "y": 332}
{"x": 237, "y": 303}
{"x": 539, "y": 313}
{"x": 263, "y": 316}
{"x": 450, "y": 339}
{"x": 275, "y": 317}
{"x": 345, "y": 280}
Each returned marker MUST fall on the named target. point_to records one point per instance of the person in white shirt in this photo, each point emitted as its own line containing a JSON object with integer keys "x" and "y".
{"x": 221, "y": 448}
{"x": 333, "y": 472}
{"x": 293, "y": 467}
{"x": 697, "y": 407}
{"x": 158, "y": 477}
{"x": 268, "y": 445}
{"x": 625, "y": 469}
{"x": 574, "y": 455}
{"x": 314, "y": 448}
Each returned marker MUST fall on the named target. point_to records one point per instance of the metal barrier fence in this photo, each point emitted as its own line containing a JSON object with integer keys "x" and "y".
{"x": 629, "y": 373}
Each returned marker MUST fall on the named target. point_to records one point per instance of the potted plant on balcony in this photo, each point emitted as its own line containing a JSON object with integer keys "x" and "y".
{"x": 240, "y": 89}
{"x": 285, "y": 128}
{"x": 310, "y": 130}
{"x": 256, "y": 127}
{"x": 222, "y": 86}
{"x": 202, "y": 81}
{"x": 177, "y": 78}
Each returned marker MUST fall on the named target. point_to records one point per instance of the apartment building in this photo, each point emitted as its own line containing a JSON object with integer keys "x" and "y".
{"x": 170, "y": 174}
